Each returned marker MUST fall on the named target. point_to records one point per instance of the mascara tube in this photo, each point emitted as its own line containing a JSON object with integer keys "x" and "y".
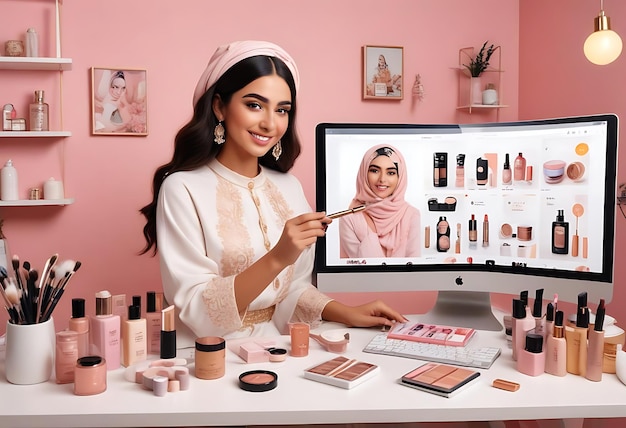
{"x": 168, "y": 333}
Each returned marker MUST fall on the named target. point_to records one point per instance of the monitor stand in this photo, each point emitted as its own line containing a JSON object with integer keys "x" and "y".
{"x": 463, "y": 309}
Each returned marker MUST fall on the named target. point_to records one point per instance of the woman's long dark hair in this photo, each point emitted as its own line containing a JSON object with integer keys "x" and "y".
{"x": 194, "y": 146}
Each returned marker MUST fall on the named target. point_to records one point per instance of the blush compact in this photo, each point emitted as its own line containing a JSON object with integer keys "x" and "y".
{"x": 258, "y": 380}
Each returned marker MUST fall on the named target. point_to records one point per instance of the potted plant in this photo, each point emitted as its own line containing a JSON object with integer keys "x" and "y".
{"x": 480, "y": 63}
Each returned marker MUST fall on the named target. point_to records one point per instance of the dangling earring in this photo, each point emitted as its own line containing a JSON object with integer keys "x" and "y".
{"x": 277, "y": 150}
{"x": 219, "y": 133}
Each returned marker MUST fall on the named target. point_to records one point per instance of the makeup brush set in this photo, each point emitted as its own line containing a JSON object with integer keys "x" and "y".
{"x": 30, "y": 297}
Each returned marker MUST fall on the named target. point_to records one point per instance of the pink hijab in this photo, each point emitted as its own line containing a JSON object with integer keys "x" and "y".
{"x": 228, "y": 55}
{"x": 386, "y": 213}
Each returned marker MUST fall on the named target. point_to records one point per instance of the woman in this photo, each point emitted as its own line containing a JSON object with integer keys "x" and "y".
{"x": 389, "y": 226}
{"x": 112, "y": 110}
{"x": 233, "y": 229}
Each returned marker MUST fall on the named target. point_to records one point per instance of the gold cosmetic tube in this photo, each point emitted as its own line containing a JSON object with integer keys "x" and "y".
{"x": 576, "y": 360}
{"x": 595, "y": 355}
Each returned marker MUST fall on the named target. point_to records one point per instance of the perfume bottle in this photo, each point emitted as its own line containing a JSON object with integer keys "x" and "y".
{"x": 560, "y": 234}
{"x": 519, "y": 168}
{"x": 38, "y": 113}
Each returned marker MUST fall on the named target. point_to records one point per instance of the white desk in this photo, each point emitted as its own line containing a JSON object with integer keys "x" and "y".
{"x": 297, "y": 400}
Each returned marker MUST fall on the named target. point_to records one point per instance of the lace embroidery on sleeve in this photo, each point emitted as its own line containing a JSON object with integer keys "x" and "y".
{"x": 310, "y": 306}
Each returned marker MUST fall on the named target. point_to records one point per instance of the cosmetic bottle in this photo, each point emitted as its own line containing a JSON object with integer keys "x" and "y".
{"x": 8, "y": 182}
{"x": 549, "y": 324}
{"x": 473, "y": 233}
{"x": 532, "y": 360}
{"x": 105, "y": 331}
{"x": 38, "y": 111}
{"x": 168, "y": 333}
{"x": 80, "y": 324}
{"x": 556, "y": 348}
{"x": 153, "y": 321}
{"x": 576, "y": 338}
{"x": 537, "y": 313}
{"x": 440, "y": 169}
{"x": 443, "y": 235}
{"x": 210, "y": 357}
{"x": 65, "y": 356}
{"x": 560, "y": 234}
{"x": 482, "y": 171}
{"x": 520, "y": 325}
{"x": 134, "y": 334}
{"x": 519, "y": 168}
{"x": 486, "y": 231}
{"x": 32, "y": 43}
{"x": 595, "y": 351}
{"x": 457, "y": 244}
{"x": 460, "y": 170}
{"x": 506, "y": 171}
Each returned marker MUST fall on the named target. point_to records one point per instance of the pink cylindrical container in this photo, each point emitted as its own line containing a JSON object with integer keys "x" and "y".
{"x": 532, "y": 360}
{"x": 299, "y": 332}
{"x": 66, "y": 356}
{"x": 90, "y": 375}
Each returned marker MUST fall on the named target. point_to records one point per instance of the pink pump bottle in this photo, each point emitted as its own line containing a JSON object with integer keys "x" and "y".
{"x": 105, "y": 331}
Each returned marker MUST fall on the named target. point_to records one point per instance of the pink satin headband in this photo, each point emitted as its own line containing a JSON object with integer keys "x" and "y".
{"x": 228, "y": 55}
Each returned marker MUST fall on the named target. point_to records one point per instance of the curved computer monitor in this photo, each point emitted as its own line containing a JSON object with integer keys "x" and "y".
{"x": 503, "y": 207}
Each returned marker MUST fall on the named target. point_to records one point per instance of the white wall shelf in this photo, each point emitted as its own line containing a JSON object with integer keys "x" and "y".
{"x": 36, "y": 202}
{"x": 35, "y": 134}
{"x": 37, "y": 63}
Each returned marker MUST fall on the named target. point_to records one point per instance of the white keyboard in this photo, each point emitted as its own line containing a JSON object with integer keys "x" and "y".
{"x": 478, "y": 357}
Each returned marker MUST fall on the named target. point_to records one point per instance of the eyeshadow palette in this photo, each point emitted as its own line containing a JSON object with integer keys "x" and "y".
{"x": 342, "y": 372}
{"x": 438, "y": 334}
{"x": 439, "y": 379}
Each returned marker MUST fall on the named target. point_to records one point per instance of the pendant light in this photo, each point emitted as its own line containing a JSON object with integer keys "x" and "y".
{"x": 604, "y": 45}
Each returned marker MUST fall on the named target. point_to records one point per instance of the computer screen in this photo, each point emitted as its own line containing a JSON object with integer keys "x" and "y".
{"x": 485, "y": 208}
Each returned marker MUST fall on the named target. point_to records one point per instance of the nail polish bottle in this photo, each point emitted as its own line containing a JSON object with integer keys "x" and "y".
{"x": 576, "y": 338}
{"x": 560, "y": 234}
{"x": 556, "y": 348}
{"x": 105, "y": 331}
{"x": 519, "y": 168}
{"x": 595, "y": 351}
{"x": 473, "y": 233}
{"x": 153, "y": 321}
{"x": 443, "y": 235}
{"x": 532, "y": 360}
{"x": 80, "y": 324}
{"x": 460, "y": 170}
{"x": 506, "y": 171}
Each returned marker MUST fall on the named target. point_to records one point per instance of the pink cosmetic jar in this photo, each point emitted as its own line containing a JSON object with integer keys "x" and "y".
{"x": 553, "y": 171}
{"x": 90, "y": 375}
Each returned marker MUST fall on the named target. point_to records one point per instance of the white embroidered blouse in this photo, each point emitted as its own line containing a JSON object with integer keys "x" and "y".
{"x": 213, "y": 223}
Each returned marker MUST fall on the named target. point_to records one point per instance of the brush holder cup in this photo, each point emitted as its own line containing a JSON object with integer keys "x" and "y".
{"x": 29, "y": 352}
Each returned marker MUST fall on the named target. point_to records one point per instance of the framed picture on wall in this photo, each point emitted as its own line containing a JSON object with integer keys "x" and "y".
{"x": 383, "y": 69}
{"x": 118, "y": 102}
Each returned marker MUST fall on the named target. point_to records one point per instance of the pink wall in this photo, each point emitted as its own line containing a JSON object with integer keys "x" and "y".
{"x": 110, "y": 176}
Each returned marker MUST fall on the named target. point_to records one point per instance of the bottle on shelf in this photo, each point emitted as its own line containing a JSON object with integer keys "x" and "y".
{"x": 8, "y": 182}
{"x": 32, "y": 44}
{"x": 38, "y": 112}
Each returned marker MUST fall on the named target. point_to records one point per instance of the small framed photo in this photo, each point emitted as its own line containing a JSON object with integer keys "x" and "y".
{"x": 383, "y": 69}
{"x": 118, "y": 102}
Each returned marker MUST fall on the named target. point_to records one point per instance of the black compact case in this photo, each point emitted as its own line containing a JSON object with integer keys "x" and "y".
{"x": 449, "y": 204}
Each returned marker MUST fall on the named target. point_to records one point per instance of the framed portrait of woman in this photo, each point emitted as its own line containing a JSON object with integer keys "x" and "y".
{"x": 118, "y": 102}
{"x": 383, "y": 69}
